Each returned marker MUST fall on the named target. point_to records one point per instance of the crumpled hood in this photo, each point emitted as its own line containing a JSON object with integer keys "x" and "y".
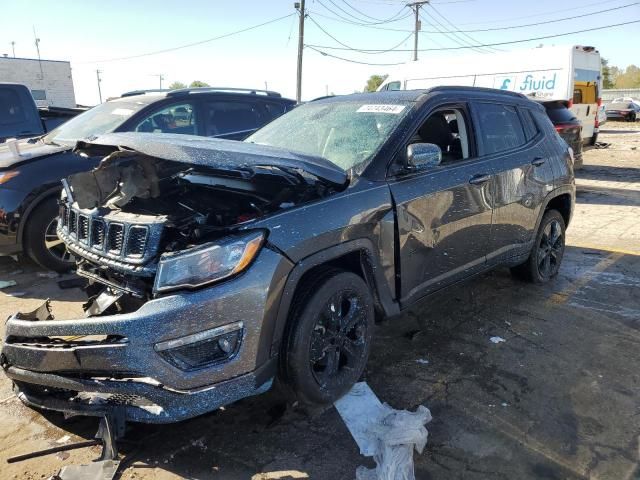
{"x": 28, "y": 151}
{"x": 217, "y": 153}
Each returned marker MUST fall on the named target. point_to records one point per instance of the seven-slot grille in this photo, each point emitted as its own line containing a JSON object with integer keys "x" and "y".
{"x": 115, "y": 238}
{"x": 119, "y": 239}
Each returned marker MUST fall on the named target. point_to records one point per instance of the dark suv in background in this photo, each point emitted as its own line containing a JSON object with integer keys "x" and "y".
{"x": 216, "y": 266}
{"x": 567, "y": 126}
{"x": 30, "y": 180}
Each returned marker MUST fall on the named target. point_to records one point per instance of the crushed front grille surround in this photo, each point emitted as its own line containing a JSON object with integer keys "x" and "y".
{"x": 125, "y": 237}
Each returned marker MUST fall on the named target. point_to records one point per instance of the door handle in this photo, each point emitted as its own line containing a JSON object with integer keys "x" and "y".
{"x": 538, "y": 162}
{"x": 479, "y": 179}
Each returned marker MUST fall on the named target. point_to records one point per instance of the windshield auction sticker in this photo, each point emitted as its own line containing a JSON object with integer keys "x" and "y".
{"x": 394, "y": 109}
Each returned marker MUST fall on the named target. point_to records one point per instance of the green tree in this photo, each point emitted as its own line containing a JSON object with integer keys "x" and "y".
{"x": 177, "y": 85}
{"x": 607, "y": 81}
{"x": 198, "y": 83}
{"x": 630, "y": 78}
{"x": 374, "y": 82}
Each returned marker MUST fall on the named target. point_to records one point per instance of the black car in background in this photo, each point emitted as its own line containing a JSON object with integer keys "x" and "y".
{"x": 567, "y": 126}
{"x": 30, "y": 176}
{"x": 626, "y": 111}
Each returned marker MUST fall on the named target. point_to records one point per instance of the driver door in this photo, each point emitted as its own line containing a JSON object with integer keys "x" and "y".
{"x": 444, "y": 212}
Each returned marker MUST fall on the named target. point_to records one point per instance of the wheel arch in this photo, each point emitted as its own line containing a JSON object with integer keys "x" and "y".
{"x": 561, "y": 199}
{"x": 41, "y": 197}
{"x": 357, "y": 256}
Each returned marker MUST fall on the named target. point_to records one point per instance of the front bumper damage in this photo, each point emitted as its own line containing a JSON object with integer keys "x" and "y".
{"x": 137, "y": 364}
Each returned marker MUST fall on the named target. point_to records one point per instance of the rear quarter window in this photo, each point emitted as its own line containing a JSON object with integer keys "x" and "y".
{"x": 11, "y": 108}
{"x": 559, "y": 113}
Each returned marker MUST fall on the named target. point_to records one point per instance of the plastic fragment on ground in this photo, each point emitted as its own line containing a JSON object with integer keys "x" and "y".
{"x": 389, "y": 435}
{"x": 497, "y": 339}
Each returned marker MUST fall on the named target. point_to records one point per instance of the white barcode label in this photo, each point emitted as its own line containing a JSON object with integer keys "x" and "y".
{"x": 394, "y": 109}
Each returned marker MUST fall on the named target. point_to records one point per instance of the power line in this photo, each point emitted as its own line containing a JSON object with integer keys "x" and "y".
{"x": 450, "y": 35}
{"x": 548, "y": 21}
{"x": 348, "y": 47}
{"x": 462, "y": 34}
{"x": 325, "y": 54}
{"x": 166, "y": 50}
{"x": 509, "y": 27}
{"x": 494, "y": 44}
{"x": 373, "y": 18}
{"x": 542, "y": 14}
{"x": 359, "y": 22}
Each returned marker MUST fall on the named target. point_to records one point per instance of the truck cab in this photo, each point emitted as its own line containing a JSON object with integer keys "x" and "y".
{"x": 19, "y": 117}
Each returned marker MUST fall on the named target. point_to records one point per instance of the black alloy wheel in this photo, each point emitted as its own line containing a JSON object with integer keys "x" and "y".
{"x": 550, "y": 249}
{"x": 328, "y": 337}
{"x": 338, "y": 341}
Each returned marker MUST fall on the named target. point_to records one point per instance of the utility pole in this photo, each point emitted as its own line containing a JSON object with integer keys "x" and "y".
{"x": 37, "y": 41}
{"x": 13, "y": 47}
{"x": 415, "y": 6}
{"x": 160, "y": 77}
{"x": 300, "y": 7}
{"x": 98, "y": 72}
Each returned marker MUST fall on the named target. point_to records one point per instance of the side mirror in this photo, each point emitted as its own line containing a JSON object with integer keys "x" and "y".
{"x": 423, "y": 155}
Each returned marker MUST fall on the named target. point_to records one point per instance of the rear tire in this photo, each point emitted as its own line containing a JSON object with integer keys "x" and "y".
{"x": 328, "y": 339}
{"x": 548, "y": 249}
{"x": 41, "y": 242}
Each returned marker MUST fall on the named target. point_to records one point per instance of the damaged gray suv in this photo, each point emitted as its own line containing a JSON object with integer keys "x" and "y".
{"x": 215, "y": 267}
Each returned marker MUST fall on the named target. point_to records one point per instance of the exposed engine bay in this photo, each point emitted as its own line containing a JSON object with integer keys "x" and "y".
{"x": 121, "y": 217}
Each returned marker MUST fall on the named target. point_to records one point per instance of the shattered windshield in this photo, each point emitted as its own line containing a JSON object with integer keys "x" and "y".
{"x": 104, "y": 118}
{"x": 345, "y": 133}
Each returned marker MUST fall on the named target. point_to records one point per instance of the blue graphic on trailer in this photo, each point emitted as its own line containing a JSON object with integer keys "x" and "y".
{"x": 505, "y": 84}
{"x": 530, "y": 83}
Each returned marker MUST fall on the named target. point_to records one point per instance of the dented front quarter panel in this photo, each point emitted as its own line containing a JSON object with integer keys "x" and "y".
{"x": 250, "y": 298}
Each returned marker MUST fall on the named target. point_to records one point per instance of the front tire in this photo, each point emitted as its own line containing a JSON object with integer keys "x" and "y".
{"x": 41, "y": 241}
{"x": 328, "y": 341}
{"x": 546, "y": 256}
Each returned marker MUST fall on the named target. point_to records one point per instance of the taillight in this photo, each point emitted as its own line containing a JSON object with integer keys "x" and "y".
{"x": 563, "y": 128}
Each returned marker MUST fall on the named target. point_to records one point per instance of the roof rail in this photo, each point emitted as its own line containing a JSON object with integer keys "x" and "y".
{"x": 142, "y": 92}
{"x": 250, "y": 91}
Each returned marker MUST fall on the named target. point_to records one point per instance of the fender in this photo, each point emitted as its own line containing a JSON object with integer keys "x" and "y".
{"x": 561, "y": 190}
{"x": 373, "y": 276}
{"x": 51, "y": 191}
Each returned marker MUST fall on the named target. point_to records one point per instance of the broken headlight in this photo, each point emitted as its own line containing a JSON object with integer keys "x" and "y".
{"x": 208, "y": 263}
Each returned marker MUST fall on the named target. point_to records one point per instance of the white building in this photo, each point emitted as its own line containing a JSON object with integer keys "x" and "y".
{"x": 50, "y": 81}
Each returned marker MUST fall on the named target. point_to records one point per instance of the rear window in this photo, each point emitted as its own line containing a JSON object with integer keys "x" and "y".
{"x": 11, "y": 109}
{"x": 619, "y": 106}
{"x": 558, "y": 113}
{"x": 501, "y": 127}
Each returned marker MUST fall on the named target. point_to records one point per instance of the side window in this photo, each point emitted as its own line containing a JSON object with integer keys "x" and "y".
{"x": 447, "y": 128}
{"x": 11, "y": 111}
{"x": 530, "y": 127}
{"x": 500, "y": 127}
{"x": 178, "y": 118}
{"x": 227, "y": 117}
{"x": 577, "y": 95}
{"x": 393, "y": 86}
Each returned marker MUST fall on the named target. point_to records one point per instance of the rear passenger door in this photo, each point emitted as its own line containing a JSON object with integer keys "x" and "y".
{"x": 513, "y": 146}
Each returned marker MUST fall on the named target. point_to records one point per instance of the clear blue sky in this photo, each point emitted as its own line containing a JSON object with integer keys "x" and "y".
{"x": 89, "y": 32}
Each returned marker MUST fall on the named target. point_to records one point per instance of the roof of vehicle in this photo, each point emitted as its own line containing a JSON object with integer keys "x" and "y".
{"x": 157, "y": 93}
{"x": 415, "y": 95}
